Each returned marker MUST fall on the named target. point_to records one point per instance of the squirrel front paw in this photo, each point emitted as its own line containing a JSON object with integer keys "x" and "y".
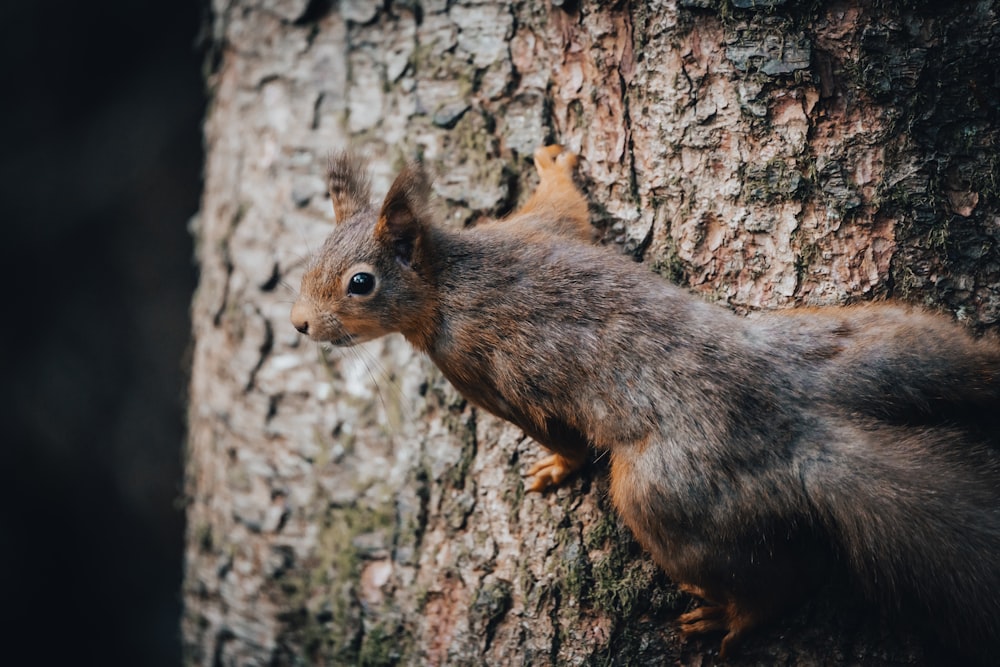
{"x": 551, "y": 471}
{"x": 554, "y": 162}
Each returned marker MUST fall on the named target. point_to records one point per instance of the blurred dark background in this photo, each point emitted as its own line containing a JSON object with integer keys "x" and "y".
{"x": 100, "y": 170}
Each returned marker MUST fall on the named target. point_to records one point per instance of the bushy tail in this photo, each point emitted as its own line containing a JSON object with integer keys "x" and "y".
{"x": 917, "y": 369}
{"x": 916, "y": 512}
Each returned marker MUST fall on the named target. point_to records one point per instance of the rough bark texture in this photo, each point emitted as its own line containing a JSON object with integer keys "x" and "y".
{"x": 349, "y": 507}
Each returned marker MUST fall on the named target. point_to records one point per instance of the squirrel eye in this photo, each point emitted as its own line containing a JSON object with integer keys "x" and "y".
{"x": 361, "y": 284}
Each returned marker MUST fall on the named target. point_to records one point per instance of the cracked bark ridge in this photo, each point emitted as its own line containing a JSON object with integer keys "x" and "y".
{"x": 349, "y": 507}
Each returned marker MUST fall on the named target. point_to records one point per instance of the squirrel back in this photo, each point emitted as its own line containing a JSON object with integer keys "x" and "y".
{"x": 748, "y": 454}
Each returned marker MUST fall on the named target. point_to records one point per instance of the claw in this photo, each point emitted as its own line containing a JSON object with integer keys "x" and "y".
{"x": 702, "y": 620}
{"x": 717, "y": 618}
{"x": 551, "y": 471}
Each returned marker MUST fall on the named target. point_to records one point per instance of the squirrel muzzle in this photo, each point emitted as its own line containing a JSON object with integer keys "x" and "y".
{"x": 301, "y": 314}
{"x": 309, "y": 322}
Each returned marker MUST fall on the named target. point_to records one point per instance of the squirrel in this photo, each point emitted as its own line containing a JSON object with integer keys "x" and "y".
{"x": 748, "y": 455}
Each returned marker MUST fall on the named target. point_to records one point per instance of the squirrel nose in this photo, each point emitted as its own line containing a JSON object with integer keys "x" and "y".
{"x": 300, "y": 318}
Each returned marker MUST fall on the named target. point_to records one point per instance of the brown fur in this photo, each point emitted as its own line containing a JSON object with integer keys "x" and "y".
{"x": 747, "y": 454}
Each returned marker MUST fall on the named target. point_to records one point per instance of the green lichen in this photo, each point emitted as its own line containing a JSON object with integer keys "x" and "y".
{"x": 574, "y": 572}
{"x": 618, "y": 585}
{"x": 491, "y": 604}
{"x": 602, "y": 532}
{"x": 807, "y": 257}
{"x": 776, "y": 180}
{"x": 411, "y": 517}
{"x": 906, "y": 283}
{"x": 626, "y": 584}
{"x": 464, "y": 427}
{"x": 513, "y": 489}
{"x": 670, "y": 265}
{"x": 383, "y": 645}
{"x": 325, "y": 621}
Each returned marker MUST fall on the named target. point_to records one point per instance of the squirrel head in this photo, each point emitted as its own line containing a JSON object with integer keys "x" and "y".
{"x": 373, "y": 274}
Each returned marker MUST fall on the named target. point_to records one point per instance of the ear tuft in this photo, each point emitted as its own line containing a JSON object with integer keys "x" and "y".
{"x": 401, "y": 220}
{"x": 349, "y": 184}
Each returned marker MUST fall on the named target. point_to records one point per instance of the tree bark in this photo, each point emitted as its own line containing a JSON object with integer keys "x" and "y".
{"x": 349, "y": 507}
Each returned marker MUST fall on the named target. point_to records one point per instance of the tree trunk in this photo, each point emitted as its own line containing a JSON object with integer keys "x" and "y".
{"x": 349, "y": 507}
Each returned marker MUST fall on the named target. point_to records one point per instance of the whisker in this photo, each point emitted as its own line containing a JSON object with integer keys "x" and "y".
{"x": 399, "y": 390}
{"x": 399, "y": 394}
{"x": 381, "y": 377}
{"x": 302, "y": 261}
{"x": 304, "y": 241}
{"x": 329, "y": 355}
{"x": 378, "y": 390}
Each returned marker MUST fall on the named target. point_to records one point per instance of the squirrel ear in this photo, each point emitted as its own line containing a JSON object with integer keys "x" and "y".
{"x": 349, "y": 185}
{"x": 401, "y": 220}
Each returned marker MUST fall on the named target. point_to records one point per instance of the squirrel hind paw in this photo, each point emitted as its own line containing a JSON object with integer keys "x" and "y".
{"x": 702, "y": 620}
{"x": 551, "y": 471}
{"x": 717, "y": 618}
